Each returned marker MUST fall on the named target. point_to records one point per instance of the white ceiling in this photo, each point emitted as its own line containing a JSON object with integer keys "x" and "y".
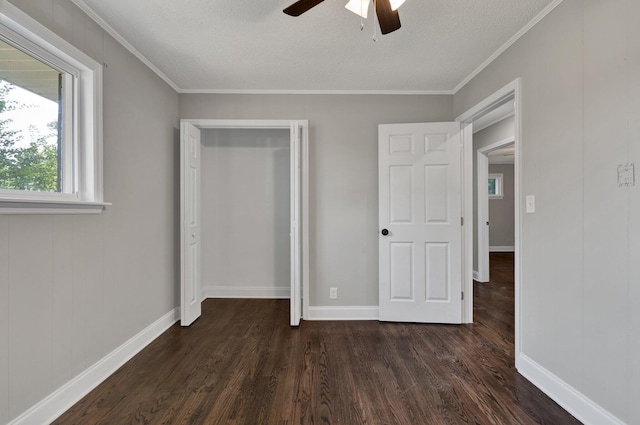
{"x": 250, "y": 45}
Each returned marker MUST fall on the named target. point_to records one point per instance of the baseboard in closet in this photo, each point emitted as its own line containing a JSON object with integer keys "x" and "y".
{"x": 221, "y": 291}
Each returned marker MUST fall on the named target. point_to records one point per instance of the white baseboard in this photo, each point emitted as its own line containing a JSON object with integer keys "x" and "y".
{"x": 55, "y": 404}
{"x": 572, "y": 400}
{"x": 502, "y": 249}
{"x": 278, "y": 292}
{"x": 343, "y": 313}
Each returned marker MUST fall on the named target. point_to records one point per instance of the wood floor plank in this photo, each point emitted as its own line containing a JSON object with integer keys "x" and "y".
{"x": 241, "y": 364}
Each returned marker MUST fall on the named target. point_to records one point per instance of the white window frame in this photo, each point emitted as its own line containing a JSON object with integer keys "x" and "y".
{"x": 499, "y": 186}
{"x": 82, "y": 165}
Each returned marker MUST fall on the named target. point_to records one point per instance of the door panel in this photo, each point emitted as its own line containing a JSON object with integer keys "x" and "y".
{"x": 420, "y": 203}
{"x": 190, "y": 284}
{"x": 400, "y": 193}
{"x": 401, "y": 264}
{"x": 436, "y": 194}
{"x": 437, "y": 276}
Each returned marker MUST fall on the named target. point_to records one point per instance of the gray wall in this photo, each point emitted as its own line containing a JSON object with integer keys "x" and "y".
{"x": 343, "y": 175}
{"x": 245, "y": 210}
{"x": 580, "y": 69}
{"x": 501, "y": 211}
{"x": 498, "y": 132}
{"x": 74, "y": 288}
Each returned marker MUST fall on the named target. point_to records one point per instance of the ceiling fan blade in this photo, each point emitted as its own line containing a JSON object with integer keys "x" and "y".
{"x": 388, "y": 18}
{"x": 301, "y": 6}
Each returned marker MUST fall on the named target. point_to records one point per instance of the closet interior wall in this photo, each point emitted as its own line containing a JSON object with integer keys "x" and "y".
{"x": 245, "y": 210}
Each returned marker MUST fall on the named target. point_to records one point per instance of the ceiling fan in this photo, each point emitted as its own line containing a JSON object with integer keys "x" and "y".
{"x": 386, "y": 10}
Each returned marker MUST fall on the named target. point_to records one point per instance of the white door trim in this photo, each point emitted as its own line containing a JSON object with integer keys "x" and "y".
{"x": 513, "y": 89}
{"x": 295, "y": 296}
{"x": 483, "y": 206}
{"x": 482, "y": 229}
{"x": 497, "y": 145}
{"x": 467, "y": 214}
{"x": 303, "y": 194}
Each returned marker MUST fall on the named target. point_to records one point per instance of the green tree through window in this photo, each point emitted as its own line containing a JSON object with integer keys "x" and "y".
{"x": 27, "y": 162}
{"x": 492, "y": 186}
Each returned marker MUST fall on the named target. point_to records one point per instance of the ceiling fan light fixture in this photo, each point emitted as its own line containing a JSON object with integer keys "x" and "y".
{"x": 395, "y": 4}
{"x": 359, "y": 7}
{"x": 387, "y": 17}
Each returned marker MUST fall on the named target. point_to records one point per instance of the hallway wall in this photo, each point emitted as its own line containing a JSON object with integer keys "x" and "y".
{"x": 580, "y": 73}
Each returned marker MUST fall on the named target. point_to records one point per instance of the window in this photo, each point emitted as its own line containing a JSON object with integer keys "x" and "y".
{"x": 36, "y": 147}
{"x": 50, "y": 121}
{"x": 495, "y": 186}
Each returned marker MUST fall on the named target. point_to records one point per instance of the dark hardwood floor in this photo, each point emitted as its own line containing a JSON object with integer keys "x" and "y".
{"x": 241, "y": 363}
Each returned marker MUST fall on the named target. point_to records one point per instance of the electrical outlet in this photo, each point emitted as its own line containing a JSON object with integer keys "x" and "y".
{"x": 333, "y": 293}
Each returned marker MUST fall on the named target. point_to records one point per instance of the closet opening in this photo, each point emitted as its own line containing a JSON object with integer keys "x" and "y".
{"x": 244, "y": 212}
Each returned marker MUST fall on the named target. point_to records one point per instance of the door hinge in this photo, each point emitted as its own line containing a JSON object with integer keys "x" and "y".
{"x": 462, "y": 297}
{"x": 461, "y": 221}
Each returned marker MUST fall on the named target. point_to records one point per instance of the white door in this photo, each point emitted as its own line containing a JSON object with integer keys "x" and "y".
{"x": 296, "y": 233}
{"x": 190, "y": 296}
{"x": 420, "y": 214}
{"x": 483, "y": 218}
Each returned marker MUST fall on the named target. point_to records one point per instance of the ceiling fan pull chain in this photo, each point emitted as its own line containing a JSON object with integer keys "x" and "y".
{"x": 375, "y": 18}
{"x": 375, "y": 31}
{"x": 361, "y": 16}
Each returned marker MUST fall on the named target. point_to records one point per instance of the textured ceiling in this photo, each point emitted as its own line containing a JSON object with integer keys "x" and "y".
{"x": 250, "y": 45}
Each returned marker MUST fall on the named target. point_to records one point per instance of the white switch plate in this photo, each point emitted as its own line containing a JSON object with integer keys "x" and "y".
{"x": 333, "y": 293}
{"x": 531, "y": 204}
{"x": 626, "y": 175}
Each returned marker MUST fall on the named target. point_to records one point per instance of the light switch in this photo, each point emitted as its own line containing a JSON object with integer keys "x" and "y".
{"x": 626, "y": 175}
{"x": 531, "y": 204}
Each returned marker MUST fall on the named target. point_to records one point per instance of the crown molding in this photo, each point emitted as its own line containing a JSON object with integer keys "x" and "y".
{"x": 120, "y": 39}
{"x": 319, "y": 92}
{"x": 508, "y": 44}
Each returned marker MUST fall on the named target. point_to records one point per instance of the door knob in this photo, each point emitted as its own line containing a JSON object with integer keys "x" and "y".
{"x": 384, "y": 232}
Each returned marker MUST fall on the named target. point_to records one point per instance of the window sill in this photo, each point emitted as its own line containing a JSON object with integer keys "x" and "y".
{"x": 41, "y": 206}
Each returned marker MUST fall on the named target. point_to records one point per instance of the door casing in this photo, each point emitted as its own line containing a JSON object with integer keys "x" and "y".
{"x": 482, "y": 227}
{"x": 300, "y": 303}
{"x": 483, "y": 207}
{"x": 513, "y": 90}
